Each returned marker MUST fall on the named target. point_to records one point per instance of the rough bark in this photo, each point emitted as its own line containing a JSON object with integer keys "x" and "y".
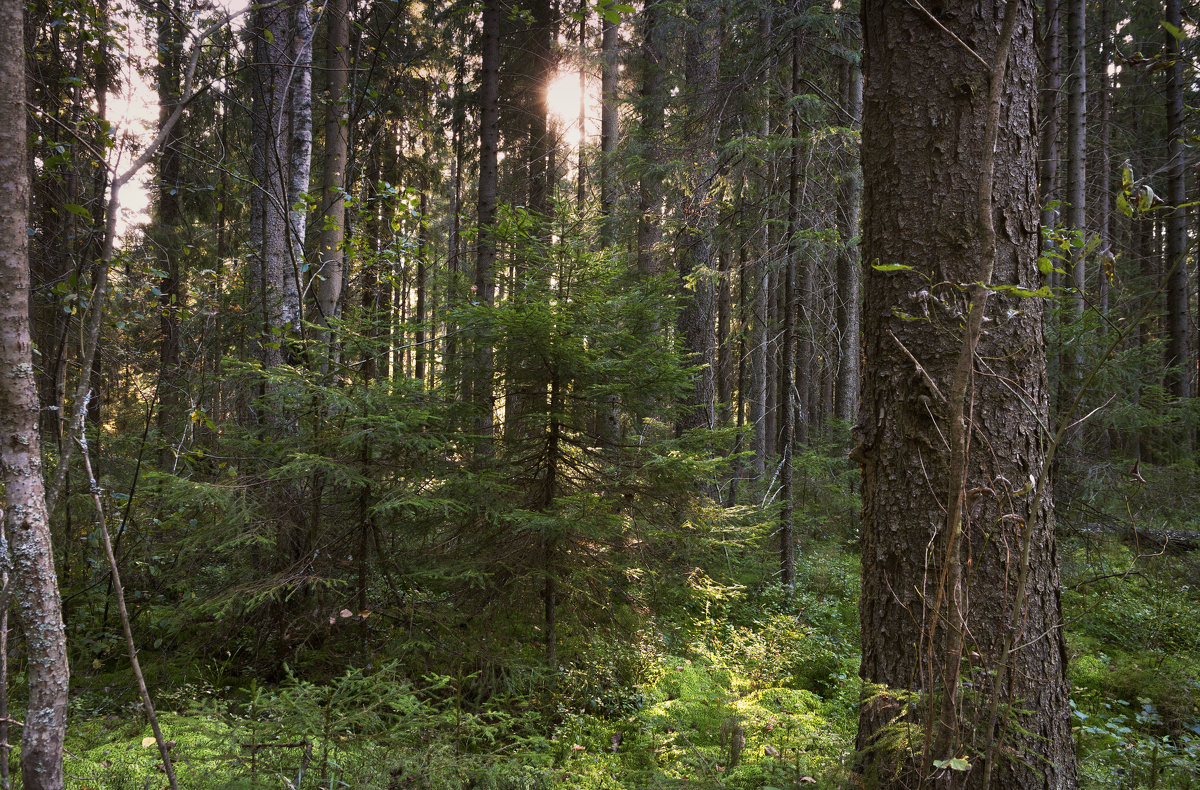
{"x": 27, "y": 522}
{"x": 950, "y": 441}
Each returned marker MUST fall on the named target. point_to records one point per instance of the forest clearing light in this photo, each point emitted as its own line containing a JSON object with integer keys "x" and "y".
{"x": 134, "y": 111}
{"x": 562, "y": 101}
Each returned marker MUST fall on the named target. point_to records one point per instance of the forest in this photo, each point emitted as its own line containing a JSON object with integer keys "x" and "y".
{"x": 591, "y": 394}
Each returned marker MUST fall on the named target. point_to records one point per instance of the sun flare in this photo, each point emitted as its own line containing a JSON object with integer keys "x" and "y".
{"x": 563, "y": 96}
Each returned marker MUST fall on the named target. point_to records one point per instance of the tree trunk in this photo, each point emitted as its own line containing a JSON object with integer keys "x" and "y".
{"x": 805, "y": 398}
{"x": 331, "y": 257}
{"x": 273, "y": 288}
{"x": 694, "y": 243}
{"x": 1104, "y": 223}
{"x": 168, "y": 227}
{"x": 760, "y": 338}
{"x": 422, "y": 276}
{"x": 608, "y": 131}
{"x": 788, "y": 388}
{"x": 27, "y": 523}
{"x": 1076, "y": 196}
{"x": 724, "y": 372}
{"x": 299, "y": 106}
{"x": 960, "y": 584}
{"x": 1179, "y": 373}
{"x": 451, "y": 362}
{"x": 485, "y": 259}
{"x": 1050, "y": 104}
{"x": 849, "y": 313}
{"x": 653, "y": 98}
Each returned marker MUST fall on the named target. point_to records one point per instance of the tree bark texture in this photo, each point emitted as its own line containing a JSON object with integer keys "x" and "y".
{"x": 1051, "y": 22}
{"x": 169, "y": 225}
{"x": 275, "y": 294}
{"x": 1076, "y": 196}
{"x": 485, "y": 257}
{"x": 1104, "y": 161}
{"x": 1179, "y": 375}
{"x": 608, "y": 131}
{"x": 695, "y": 247}
{"x": 299, "y": 117}
{"x": 849, "y": 275}
{"x": 653, "y": 97}
{"x": 27, "y": 522}
{"x": 333, "y": 171}
{"x": 760, "y": 337}
{"x": 955, "y": 513}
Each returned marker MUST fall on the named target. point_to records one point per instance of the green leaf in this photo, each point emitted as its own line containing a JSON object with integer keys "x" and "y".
{"x": 1123, "y": 206}
{"x": 1145, "y": 198}
{"x": 1017, "y": 290}
{"x": 78, "y": 210}
{"x": 1174, "y": 31}
{"x": 1045, "y": 266}
{"x": 954, "y": 764}
{"x": 890, "y": 267}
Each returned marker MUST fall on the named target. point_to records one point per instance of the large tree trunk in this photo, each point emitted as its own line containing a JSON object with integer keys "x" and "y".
{"x": 27, "y": 523}
{"x": 960, "y": 598}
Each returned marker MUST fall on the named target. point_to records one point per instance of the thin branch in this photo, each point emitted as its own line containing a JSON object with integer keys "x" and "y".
{"x": 920, "y": 367}
{"x": 917, "y": 5}
{"x": 163, "y": 747}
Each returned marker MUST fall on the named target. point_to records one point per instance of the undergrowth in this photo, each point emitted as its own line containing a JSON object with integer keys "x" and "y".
{"x": 699, "y": 676}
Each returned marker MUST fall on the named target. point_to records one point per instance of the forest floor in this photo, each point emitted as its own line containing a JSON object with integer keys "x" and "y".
{"x": 724, "y": 684}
